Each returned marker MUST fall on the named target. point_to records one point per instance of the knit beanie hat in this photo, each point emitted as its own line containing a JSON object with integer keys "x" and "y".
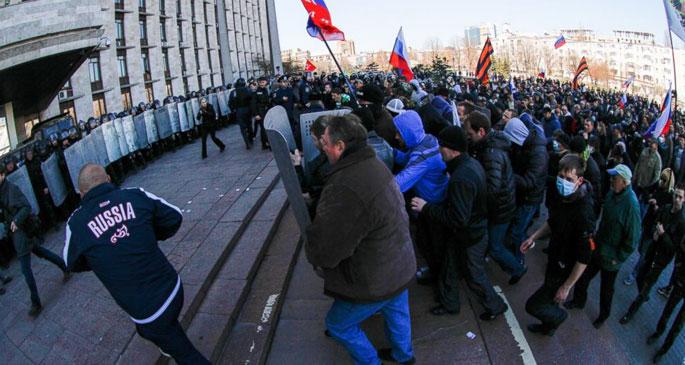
{"x": 454, "y": 138}
{"x": 516, "y": 131}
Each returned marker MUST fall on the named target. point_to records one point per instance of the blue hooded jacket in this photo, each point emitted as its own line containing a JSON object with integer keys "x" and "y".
{"x": 444, "y": 108}
{"x": 550, "y": 126}
{"x": 424, "y": 170}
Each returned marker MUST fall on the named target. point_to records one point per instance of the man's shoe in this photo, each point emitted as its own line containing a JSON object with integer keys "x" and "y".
{"x": 599, "y": 322}
{"x": 222, "y": 149}
{"x": 516, "y": 278}
{"x": 541, "y": 329}
{"x": 573, "y": 305}
{"x": 487, "y": 316}
{"x": 5, "y": 279}
{"x": 385, "y": 354}
{"x": 441, "y": 311}
{"x": 653, "y": 337}
{"x": 35, "y": 310}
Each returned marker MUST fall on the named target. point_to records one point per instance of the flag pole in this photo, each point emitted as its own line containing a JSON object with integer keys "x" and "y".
{"x": 342, "y": 73}
{"x": 675, "y": 75}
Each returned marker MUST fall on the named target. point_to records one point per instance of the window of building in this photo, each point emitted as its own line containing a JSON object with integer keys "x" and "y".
{"x": 169, "y": 88}
{"x": 197, "y": 60}
{"x": 94, "y": 68}
{"x": 28, "y": 125}
{"x": 183, "y": 62}
{"x": 199, "y": 83}
{"x": 141, "y": 6}
{"x": 145, "y": 60}
{"x": 67, "y": 107}
{"x": 126, "y": 100}
{"x": 119, "y": 25}
{"x": 185, "y": 86}
{"x": 209, "y": 60}
{"x": 143, "y": 31}
{"x": 162, "y": 29}
{"x": 149, "y": 93}
{"x": 121, "y": 62}
{"x": 178, "y": 8}
{"x": 99, "y": 106}
{"x": 162, "y": 7}
{"x": 180, "y": 32}
{"x": 192, "y": 10}
{"x": 165, "y": 62}
{"x": 118, "y": 4}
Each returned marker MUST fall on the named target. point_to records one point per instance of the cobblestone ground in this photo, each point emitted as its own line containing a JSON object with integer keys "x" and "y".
{"x": 80, "y": 323}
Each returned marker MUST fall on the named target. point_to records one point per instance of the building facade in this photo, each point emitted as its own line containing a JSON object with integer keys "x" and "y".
{"x": 160, "y": 48}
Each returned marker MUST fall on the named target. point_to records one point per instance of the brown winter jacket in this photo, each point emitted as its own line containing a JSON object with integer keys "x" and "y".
{"x": 360, "y": 236}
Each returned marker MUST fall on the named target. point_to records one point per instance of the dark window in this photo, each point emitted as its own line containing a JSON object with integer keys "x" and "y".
{"x": 162, "y": 7}
{"x": 162, "y": 29}
{"x": 180, "y": 32}
{"x": 118, "y": 4}
{"x": 165, "y": 62}
{"x": 119, "y": 25}
{"x": 145, "y": 59}
{"x": 169, "y": 88}
{"x": 123, "y": 67}
{"x": 197, "y": 60}
{"x": 183, "y": 61}
{"x": 141, "y": 6}
{"x": 143, "y": 31}
{"x": 94, "y": 68}
{"x": 67, "y": 107}
{"x": 149, "y": 93}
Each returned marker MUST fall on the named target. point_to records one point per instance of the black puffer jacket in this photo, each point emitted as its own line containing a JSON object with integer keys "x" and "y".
{"x": 530, "y": 168}
{"x": 493, "y": 153}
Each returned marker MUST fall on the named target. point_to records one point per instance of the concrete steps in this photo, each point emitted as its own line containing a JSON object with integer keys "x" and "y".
{"x": 233, "y": 237}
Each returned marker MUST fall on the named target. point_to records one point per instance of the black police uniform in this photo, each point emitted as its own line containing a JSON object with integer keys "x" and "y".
{"x": 208, "y": 127}
{"x": 115, "y": 234}
{"x": 285, "y": 97}
{"x": 260, "y": 105}
{"x": 571, "y": 223}
{"x": 241, "y": 103}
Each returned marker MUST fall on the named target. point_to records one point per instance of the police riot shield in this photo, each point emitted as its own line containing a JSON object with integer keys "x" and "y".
{"x": 111, "y": 141}
{"x": 189, "y": 114}
{"x": 213, "y": 100}
{"x": 174, "y": 118}
{"x": 54, "y": 179}
{"x": 151, "y": 127}
{"x": 21, "y": 179}
{"x": 281, "y": 153}
{"x": 74, "y": 159}
{"x": 141, "y": 131}
{"x": 196, "y": 110}
{"x": 121, "y": 136}
{"x": 310, "y": 151}
{"x": 99, "y": 146}
{"x": 183, "y": 116}
{"x": 277, "y": 118}
{"x": 223, "y": 103}
{"x": 130, "y": 133}
{"x": 163, "y": 122}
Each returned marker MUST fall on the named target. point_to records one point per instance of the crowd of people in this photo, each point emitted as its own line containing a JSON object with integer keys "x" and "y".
{"x": 472, "y": 167}
{"x": 443, "y": 164}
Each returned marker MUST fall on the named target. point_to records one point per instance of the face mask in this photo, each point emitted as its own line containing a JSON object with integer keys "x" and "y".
{"x": 565, "y": 188}
{"x": 555, "y": 146}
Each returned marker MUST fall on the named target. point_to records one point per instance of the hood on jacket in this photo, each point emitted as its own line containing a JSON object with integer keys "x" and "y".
{"x": 497, "y": 139}
{"x": 516, "y": 131}
{"x": 410, "y": 127}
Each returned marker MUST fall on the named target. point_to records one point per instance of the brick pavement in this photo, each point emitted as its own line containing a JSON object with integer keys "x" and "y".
{"x": 80, "y": 322}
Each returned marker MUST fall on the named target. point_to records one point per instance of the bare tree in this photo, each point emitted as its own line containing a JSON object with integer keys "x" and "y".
{"x": 434, "y": 45}
{"x": 599, "y": 72}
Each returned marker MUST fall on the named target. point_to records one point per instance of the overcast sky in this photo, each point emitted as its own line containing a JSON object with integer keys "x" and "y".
{"x": 373, "y": 24}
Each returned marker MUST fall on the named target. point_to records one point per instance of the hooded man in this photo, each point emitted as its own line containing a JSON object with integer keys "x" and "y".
{"x": 529, "y": 161}
{"x": 423, "y": 172}
{"x": 371, "y": 96}
{"x": 550, "y": 122}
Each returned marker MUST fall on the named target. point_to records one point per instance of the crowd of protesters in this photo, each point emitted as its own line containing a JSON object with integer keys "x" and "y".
{"x": 472, "y": 165}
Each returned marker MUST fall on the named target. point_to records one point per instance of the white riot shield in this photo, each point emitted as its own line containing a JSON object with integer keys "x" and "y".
{"x": 74, "y": 159}
{"x": 163, "y": 122}
{"x": 54, "y": 179}
{"x": 121, "y": 136}
{"x": 183, "y": 116}
{"x": 213, "y": 100}
{"x": 111, "y": 141}
{"x": 277, "y": 119}
{"x": 310, "y": 151}
{"x": 21, "y": 179}
{"x": 223, "y": 103}
{"x": 131, "y": 133}
{"x": 174, "y": 118}
{"x": 99, "y": 146}
{"x": 189, "y": 114}
{"x": 196, "y": 110}
{"x": 151, "y": 127}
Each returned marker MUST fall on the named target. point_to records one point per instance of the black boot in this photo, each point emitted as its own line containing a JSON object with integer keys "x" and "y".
{"x": 541, "y": 329}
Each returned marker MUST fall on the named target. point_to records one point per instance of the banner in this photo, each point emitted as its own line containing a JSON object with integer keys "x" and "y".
{"x": 183, "y": 117}
{"x": 21, "y": 179}
{"x": 99, "y": 146}
{"x": 111, "y": 141}
{"x": 151, "y": 127}
{"x": 119, "y": 128}
{"x": 223, "y": 103}
{"x": 74, "y": 159}
{"x": 54, "y": 179}
{"x": 163, "y": 122}
{"x": 196, "y": 110}
{"x": 174, "y": 118}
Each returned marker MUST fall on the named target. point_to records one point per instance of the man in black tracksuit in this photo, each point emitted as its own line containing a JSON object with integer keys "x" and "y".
{"x": 570, "y": 225}
{"x": 464, "y": 212}
{"x": 260, "y": 105}
{"x": 240, "y": 101}
{"x": 669, "y": 230}
{"x": 115, "y": 234}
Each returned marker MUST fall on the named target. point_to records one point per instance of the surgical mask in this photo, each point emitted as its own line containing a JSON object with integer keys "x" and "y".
{"x": 565, "y": 188}
{"x": 555, "y": 146}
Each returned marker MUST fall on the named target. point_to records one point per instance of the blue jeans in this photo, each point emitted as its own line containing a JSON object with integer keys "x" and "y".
{"x": 506, "y": 260}
{"x": 25, "y": 263}
{"x": 343, "y": 321}
{"x": 519, "y": 227}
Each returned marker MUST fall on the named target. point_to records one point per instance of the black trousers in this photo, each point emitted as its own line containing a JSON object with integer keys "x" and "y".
{"x": 473, "y": 259}
{"x": 430, "y": 241}
{"x": 541, "y": 304}
{"x": 243, "y": 116}
{"x": 675, "y": 298}
{"x": 207, "y": 129}
{"x": 606, "y": 293}
{"x": 166, "y": 332}
{"x": 259, "y": 126}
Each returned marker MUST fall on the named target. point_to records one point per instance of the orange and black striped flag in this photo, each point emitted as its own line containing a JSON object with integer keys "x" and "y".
{"x": 484, "y": 63}
{"x": 581, "y": 68}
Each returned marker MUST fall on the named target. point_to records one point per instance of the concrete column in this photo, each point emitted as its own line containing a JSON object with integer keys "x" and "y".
{"x": 275, "y": 44}
{"x": 11, "y": 127}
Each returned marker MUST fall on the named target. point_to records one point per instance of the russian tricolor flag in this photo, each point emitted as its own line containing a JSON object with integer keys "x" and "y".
{"x": 560, "y": 42}
{"x": 320, "y": 24}
{"x": 662, "y": 125}
{"x": 623, "y": 101}
{"x": 399, "y": 58}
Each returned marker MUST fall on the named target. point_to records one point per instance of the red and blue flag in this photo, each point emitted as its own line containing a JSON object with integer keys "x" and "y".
{"x": 623, "y": 101}
{"x": 560, "y": 42}
{"x": 320, "y": 24}
{"x": 662, "y": 125}
{"x": 399, "y": 58}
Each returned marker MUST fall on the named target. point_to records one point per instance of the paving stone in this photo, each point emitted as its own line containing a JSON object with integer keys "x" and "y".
{"x": 243, "y": 205}
{"x": 206, "y": 330}
{"x": 223, "y": 296}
